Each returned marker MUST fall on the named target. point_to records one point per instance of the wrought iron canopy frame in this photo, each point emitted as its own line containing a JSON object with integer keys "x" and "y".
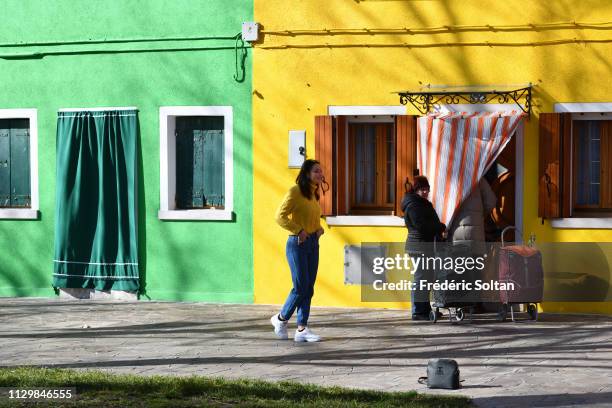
{"x": 425, "y": 100}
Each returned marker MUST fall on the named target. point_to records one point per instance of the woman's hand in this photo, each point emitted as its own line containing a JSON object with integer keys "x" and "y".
{"x": 302, "y": 236}
{"x": 320, "y": 232}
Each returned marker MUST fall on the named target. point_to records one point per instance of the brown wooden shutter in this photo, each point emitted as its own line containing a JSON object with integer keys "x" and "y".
{"x": 340, "y": 186}
{"x": 325, "y": 155}
{"x": 554, "y": 196}
{"x": 405, "y": 155}
{"x": 606, "y": 163}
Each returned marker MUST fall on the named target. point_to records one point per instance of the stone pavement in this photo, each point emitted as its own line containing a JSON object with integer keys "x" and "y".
{"x": 559, "y": 361}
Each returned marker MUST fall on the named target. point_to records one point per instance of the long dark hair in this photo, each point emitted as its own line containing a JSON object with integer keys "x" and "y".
{"x": 303, "y": 179}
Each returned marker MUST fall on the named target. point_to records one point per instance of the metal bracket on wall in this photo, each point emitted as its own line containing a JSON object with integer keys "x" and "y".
{"x": 431, "y": 96}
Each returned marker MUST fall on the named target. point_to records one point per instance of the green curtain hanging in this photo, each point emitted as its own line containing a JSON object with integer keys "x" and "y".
{"x": 96, "y": 203}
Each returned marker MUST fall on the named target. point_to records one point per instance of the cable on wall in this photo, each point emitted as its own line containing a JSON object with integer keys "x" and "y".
{"x": 571, "y": 25}
{"x": 439, "y": 44}
{"x": 239, "y": 48}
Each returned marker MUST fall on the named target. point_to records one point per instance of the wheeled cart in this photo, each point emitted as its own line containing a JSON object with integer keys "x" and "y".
{"x": 454, "y": 301}
{"x": 520, "y": 265}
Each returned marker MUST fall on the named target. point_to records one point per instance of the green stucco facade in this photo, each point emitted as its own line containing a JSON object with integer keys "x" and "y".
{"x": 179, "y": 260}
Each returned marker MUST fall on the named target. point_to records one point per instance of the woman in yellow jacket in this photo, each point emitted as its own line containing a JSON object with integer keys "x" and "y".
{"x": 300, "y": 214}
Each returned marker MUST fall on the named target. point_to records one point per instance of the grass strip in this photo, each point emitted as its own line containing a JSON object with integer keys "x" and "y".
{"x": 99, "y": 388}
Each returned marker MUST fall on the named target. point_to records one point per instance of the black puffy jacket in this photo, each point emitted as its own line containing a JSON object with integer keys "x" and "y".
{"x": 421, "y": 219}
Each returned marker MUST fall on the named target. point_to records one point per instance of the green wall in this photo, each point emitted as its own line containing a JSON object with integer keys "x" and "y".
{"x": 204, "y": 260}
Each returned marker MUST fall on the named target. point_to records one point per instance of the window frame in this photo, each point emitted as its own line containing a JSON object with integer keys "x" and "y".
{"x": 583, "y": 111}
{"x": 167, "y": 174}
{"x": 586, "y": 208}
{"x": 31, "y": 213}
{"x": 364, "y": 113}
{"x": 381, "y": 187}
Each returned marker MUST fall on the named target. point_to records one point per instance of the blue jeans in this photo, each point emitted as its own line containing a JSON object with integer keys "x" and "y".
{"x": 303, "y": 261}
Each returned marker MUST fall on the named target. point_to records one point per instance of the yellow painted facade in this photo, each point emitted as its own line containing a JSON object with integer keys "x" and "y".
{"x": 391, "y": 45}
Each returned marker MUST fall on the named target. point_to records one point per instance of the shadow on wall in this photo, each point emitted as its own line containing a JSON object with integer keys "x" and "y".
{"x": 576, "y": 271}
{"x": 141, "y": 219}
{"x": 19, "y": 271}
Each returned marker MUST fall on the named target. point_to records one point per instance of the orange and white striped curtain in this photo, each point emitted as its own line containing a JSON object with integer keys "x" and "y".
{"x": 454, "y": 151}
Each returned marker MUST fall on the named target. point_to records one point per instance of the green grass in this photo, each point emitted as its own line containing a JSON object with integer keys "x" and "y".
{"x": 102, "y": 389}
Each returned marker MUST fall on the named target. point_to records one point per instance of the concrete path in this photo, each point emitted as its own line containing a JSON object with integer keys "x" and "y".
{"x": 559, "y": 361}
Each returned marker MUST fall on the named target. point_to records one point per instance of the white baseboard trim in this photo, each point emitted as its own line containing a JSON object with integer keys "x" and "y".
{"x": 366, "y": 220}
{"x": 18, "y": 214}
{"x": 582, "y": 223}
{"x": 92, "y": 294}
{"x": 195, "y": 215}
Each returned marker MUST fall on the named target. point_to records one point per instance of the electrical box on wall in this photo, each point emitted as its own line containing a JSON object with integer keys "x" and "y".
{"x": 250, "y": 31}
{"x": 297, "y": 148}
{"x": 354, "y": 256}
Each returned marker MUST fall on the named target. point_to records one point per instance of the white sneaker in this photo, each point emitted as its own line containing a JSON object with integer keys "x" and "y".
{"x": 280, "y": 327}
{"x": 306, "y": 335}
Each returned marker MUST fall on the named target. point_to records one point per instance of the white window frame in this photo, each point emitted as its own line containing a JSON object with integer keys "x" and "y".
{"x": 366, "y": 114}
{"x": 167, "y": 161}
{"x": 31, "y": 213}
{"x": 584, "y": 111}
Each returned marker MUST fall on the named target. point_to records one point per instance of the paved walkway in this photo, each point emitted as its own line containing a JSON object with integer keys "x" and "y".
{"x": 562, "y": 360}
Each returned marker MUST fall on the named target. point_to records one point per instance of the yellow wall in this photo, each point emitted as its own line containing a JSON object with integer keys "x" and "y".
{"x": 291, "y": 85}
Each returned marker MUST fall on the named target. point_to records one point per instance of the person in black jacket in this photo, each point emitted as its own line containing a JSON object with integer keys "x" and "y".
{"x": 423, "y": 226}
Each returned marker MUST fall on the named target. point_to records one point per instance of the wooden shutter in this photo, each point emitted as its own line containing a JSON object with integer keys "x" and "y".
{"x": 554, "y": 195}
{"x": 214, "y": 167}
{"x": 196, "y": 140}
{"x": 189, "y": 163}
{"x": 606, "y": 163}
{"x": 324, "y": 153}
{"x": 200, "y": 163}
{"x": 20, "y": 163}
{"x": 405, "y": 155}
{"x": 5, "y": 163}
{"x": 184, "y": 149}
{"x": 341, "y": 161}
{"x": 15, "y": 163}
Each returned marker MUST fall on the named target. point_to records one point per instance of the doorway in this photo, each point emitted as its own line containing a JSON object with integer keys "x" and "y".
{"x": 502, "y": 179}
{"x": 508, "y": 184}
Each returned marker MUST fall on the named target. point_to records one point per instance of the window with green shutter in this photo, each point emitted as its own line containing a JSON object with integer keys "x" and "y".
{"x": 200, "y": 162}
{"x": 15, "y": 163}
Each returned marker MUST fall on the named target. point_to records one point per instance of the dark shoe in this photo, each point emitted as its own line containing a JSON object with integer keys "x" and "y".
{"x": 478, "y": 308}
{"x": 420, "y": 316}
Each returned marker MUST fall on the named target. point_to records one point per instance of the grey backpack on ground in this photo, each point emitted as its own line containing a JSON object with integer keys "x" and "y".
{"x": 442, "y": 373}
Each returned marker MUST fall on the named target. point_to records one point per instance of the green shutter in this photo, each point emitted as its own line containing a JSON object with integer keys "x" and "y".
{"x": 184, "y": 164}
{"x": 20, "y": 163}
{"x": 198, "y": 168}
{"x": 14, "y": 163}
{"x": 5, "y": 163}
{"x": 200, "y": 175}
{"x": 214, "y": 166}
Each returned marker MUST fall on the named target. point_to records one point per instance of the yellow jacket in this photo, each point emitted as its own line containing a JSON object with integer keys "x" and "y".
{"x": 298, "y": 213}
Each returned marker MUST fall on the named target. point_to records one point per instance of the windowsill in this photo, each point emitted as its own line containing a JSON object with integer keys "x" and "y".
{"x": 582, "y": 223}
{"x": 18, "y": 214}
{"x": 366, "y": 220}
{"x": 196, "y": 215}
